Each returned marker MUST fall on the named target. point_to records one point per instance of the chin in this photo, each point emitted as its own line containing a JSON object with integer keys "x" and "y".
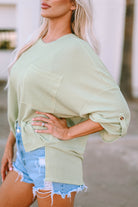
{"x": 45, "y": 14}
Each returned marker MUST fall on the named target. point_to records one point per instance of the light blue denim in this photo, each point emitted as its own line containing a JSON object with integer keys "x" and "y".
{"x": 31, "y": 167}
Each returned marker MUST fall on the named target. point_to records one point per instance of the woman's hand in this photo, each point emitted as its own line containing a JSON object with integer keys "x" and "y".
{"x": 55, "y": 126}
{"x": 6, "y": 163}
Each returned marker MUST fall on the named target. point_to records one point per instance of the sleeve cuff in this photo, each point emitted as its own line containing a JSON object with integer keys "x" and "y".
{"x": 114, "y": 128}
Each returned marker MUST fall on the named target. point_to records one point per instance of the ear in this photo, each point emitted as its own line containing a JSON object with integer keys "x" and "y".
{"x": 73, "y": 7}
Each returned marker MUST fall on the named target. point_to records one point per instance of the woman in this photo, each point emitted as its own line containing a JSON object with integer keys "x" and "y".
{"x": 59, "y": 92}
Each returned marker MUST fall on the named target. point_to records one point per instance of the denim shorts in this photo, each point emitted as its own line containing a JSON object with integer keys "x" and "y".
{"x": 31, "y": 167}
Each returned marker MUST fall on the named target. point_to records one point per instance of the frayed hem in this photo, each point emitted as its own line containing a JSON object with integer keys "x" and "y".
{"x": 52, "y": 193}
{"x": 48, "y": 187}
{"x": 77, "y": 190}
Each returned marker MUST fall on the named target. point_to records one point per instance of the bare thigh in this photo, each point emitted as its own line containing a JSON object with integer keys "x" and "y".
{"x": 44, "y": 200}
{"x": 15, "y": 193}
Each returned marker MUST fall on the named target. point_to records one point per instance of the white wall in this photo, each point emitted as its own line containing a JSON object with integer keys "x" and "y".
{"x": 22, "y": 15}
{"x": 5, "y": 57}
{"x": 8, "y": 2}
{"x": 109, "y": 29}
{"x": 109, "y": 25}
{"x": 7, "y": 21}
{"x": 8, "y": 16}
{"x": 28, "y": 13}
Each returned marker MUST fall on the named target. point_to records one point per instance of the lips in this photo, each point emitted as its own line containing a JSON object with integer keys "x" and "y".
{"x": 45, "y": 5}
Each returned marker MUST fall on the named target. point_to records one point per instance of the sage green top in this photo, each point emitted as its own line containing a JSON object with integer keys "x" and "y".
{"x": 68, "y": 79}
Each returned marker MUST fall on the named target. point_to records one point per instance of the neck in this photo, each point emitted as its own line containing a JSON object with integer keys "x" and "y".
{"x": 57, "y": 28}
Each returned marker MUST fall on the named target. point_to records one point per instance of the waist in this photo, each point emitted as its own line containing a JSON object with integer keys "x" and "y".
{"x": 18, "y": 126}
{"x": 33, "y": 140}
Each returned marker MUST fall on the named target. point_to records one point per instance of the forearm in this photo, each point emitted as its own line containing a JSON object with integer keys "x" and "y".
{"x": 84, "y": 128}
{"x": 11, "y": 139}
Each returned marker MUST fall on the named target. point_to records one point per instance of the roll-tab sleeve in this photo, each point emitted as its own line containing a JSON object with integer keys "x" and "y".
{"x": 103, "y": 102}
{"x": 113, "y": 128}
{"x": 113, "y": 114}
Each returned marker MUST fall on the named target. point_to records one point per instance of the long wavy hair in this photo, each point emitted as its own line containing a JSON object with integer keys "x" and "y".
{"x": 81, "y": 25}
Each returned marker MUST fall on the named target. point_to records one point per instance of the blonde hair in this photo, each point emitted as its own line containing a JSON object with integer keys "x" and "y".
{"x": 81, "y": 25}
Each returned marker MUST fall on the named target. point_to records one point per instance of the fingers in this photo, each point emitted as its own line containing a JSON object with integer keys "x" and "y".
{"x": 6, "y": 165}
{"x": 4, "y": 170}
{"x": 55, "y": 126}
{"x": 10, "y": 165}
{"x": 42, "y": 131}
{"x": 50, "y": 120}
{"x": 47, "y": 130}
{"x": 42, "y": 119}
{"x": 39, "y": 123}
{"x": 50, "y": 116}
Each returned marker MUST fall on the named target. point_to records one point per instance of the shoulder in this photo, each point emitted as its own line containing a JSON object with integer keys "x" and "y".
{"x": 77, "y": 43}
{"x": 90, "y": 61}
{"x": 83, "y": 51}
{"x": 81, "y": 48}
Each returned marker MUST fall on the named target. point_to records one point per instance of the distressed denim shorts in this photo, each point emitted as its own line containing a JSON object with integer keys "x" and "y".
{"x": 31, "y": 167}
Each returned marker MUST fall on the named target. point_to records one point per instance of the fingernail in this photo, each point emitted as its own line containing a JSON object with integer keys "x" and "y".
{"x": 10, "y": 169}
{"x": 35, "y": 130}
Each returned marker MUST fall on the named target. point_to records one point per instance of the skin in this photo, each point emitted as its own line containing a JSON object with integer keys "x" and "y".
{"x": 59, "y": 15}
{"x": 16, "y": 193}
